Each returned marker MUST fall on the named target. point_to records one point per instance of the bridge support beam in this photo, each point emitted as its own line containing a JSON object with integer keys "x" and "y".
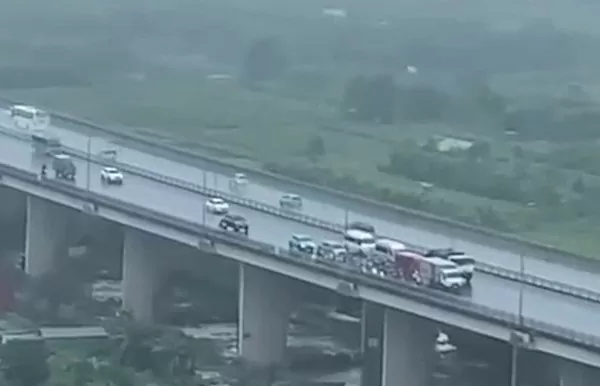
{"x": 141, "y": 274}
{"x": 265, "y": 303}
{"x": 576, "y": 374}
{"x": 12, "y": 205}
{"x": 46, "y": 235}
{"x": 397, "y": 348}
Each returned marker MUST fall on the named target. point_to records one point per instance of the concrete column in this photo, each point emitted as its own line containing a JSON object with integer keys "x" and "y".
{"x": 576, "y": 374}
{"x": 265, "y": 304}
{"x": 46, "y": 235}
{"x": 398, "y": 348}
{"x": 12, "y": 204}
{"x": 408, "y": 349}
{"x": 373, "y": 320}
{"x": 141, "y": 274}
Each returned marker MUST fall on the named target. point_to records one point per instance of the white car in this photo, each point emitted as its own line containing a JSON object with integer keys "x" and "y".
{"x": 332, "y": 250}
{"x": 238, "y": 182}
{"x": 111, "y": 175}
{"x": 217, "y": 206}
{"x": 303, "y": 244}
{"x": 108, "y": 154}
{"x": 290, "y": 201}
{"x": 240, "y": 179}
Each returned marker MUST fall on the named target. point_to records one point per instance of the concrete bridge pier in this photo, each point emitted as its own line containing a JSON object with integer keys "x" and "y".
{"x": 141, "y": 273}
{"x": 265, "y": 303}
{"x": 46, "y": 236}
{"x": 398, "y": 348}
{"x": 576, "y": 374}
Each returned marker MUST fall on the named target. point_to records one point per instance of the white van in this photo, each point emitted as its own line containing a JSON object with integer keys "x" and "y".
{"x": 357, "y": 241}
{"x": 29, "y": 117}
{"x": 388, "y": 248}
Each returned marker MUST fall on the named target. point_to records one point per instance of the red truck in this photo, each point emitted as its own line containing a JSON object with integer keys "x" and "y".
{"x": 428, "y": 271}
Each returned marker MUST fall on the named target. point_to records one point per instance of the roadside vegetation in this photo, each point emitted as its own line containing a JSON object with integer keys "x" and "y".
{"x": 492, "y": 122}
{"x": 131, "y": 354}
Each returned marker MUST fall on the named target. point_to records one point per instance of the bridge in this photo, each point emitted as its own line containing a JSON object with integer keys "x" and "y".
{"x": 162, "y": 201}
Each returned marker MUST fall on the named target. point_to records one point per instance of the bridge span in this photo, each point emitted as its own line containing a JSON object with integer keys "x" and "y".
{"x": 149, "y": 205}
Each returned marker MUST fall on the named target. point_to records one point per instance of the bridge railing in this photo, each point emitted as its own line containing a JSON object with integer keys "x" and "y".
{"x": 468, "y": 231}
{"x": 312, "y": 221}
{"x": 397, "y": 288}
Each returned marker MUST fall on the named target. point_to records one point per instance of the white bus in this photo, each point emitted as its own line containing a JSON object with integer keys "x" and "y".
{"x": 29, "y": 117}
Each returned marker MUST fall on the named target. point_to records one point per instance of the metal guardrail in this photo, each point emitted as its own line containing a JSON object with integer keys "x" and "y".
{"x": 477, "y": 232}
{"x": 405, "y": 289}
{"x": 489, "y": 269}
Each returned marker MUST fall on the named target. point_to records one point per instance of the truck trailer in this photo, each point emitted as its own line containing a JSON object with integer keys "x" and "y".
{"x": 434, "y": 272}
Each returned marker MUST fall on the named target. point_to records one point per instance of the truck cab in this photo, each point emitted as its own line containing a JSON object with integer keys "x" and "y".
{"x": 465, "y": 263}
{"x": 446, "y": 274}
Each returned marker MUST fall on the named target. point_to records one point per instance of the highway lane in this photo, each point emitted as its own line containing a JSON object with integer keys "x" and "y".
{"x": 316, "y": 206}
{"x": 487, "y": 290}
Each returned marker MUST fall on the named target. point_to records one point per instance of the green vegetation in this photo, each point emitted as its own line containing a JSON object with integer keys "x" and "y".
{"x": 487, "y": 123}
{"x": 132, "y": 354}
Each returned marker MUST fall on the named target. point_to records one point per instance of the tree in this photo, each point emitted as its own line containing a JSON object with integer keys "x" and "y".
{"x": 114, "y": 375}
{"x": 133, "y": 342}
{"x": 578, "y": 185}
{"x": 479, "y": 150}
{"x": 370, "y": 99}
{"x": 382, "y": 98}
{"x": 81, "y": 371}
{"x": 266, "y": 60}
{"x": 422, "y": 103}
{"x": 518, "y": 152}
{"x": 163, "y": 351}
{"x": 315, "y": 148}
{"x": 45, "y": 296}
{"x": 489, "y": 101}
{"x": 25, "y": 362}
{"x": 175, "y": 357}
{"x": 353, "y": 98}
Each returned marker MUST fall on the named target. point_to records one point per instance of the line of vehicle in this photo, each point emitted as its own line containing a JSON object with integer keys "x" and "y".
{"x": 503, "y": 273}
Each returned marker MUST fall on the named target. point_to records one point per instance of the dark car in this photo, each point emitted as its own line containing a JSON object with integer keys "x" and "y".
{"x": 234, "y": 222}
{"x": 362, "y": 226}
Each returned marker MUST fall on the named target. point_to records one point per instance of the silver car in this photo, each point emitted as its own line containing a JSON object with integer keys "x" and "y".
{"x": 290, "y": 201}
